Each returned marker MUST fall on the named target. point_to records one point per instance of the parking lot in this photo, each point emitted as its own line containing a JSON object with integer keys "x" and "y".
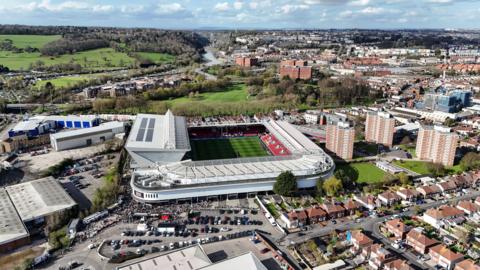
{"x": 203, "y": 227}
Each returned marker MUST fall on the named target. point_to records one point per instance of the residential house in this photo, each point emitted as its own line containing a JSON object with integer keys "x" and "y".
{"x": 444, "y": 257}
{"x": 379, "y": 256}
{"x": 360, "y": 241}
{"x": 295, "y": 219}
{"x": 351, "y": 206}
{"x": 460, "y": 181}
{"x": 437, "y": 216}
{"x": 316, "y": 214}
{"x": 408, "y": 194}
{"x": 447, "y": 186}
{"x": 333, "y": 210}
{"x": 398, "y": 264}
{"x": 397, "y": 227}
{"x": 466, "y": 264}
{"x": 419, "y": 242}
{"x": 367, "y": 201}
{"x": 472, "y": 178}
{"x": 468, "y": 207}
{"x": 429, "y": 191}
{"x": 477, "y": 201}
{"x": 389, "y": 198}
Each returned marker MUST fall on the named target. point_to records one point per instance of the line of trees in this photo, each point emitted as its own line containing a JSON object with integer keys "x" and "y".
{"x": 68, "y": 46}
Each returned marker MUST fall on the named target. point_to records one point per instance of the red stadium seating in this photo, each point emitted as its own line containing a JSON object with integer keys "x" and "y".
{"x": 275, "y": 146}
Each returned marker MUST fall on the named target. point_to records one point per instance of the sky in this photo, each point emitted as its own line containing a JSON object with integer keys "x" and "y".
{"x": 245, "y": 14}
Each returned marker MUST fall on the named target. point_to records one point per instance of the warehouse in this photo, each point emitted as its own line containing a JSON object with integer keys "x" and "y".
{"x": 32, "y": 127}
{"x": 86, "y": 137}
{"x": 75, "y": 121}
{"x": 13, "y": 233}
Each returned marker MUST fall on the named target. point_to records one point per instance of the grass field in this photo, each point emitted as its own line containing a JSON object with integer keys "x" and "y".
{"x": 419, "y": 167}
{"x": 99, "y": 58}
{"x": 234, "y": 93}
{"x": 157, "y": 58}
{"x": 227, "y": 148}
{"x": 363, "y": 172}
{"x": 65, "y": 81}
{"x": 34, "y": 41}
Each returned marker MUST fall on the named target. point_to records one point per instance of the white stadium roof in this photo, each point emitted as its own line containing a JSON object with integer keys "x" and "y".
{"x": 39, "y": 198}
{"x": 159, "y": 132}
{"x": 11, "y": 225}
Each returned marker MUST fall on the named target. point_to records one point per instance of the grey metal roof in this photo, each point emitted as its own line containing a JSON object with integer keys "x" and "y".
{"x": 39, "y": 198}
{"x": 71, "y": 134}
{"x": 159, "y": 132}
{"x": 11, "y": 226}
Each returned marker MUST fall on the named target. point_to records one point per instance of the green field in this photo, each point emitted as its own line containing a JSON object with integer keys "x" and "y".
{"x": 234, "y": 93}
{"x": 99, "y": 58}
{"x": 363, "y": 172}
{"x": 157, "y": 58}
{"x": 419, "y": 167}
{"x": 34, "y": 41}
{"x": 67, "y": 81}
{"x": 227, "y": 148}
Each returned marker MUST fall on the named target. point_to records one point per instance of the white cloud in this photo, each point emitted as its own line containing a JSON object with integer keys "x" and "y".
{"x": 103, "y": 8}
{"x": 440, "y": 1}
{"x": 360, "y": 2}
{"x": 346, "y": 13}
{"x": 237, "y": 5}
{"x": 372, "y": 10}
{"x": 241, "y": 16}
{"x": 260, "y": 4}
{"x": 132, "y": 9}
{"x": 222, "y": 6}
{"x": 287, "y": 9}
{"x": 68, "y": 5}
{"x": 169, "y": 8}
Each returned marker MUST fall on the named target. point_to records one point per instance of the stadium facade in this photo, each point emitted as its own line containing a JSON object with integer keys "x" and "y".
{"x": 163, "y": 172}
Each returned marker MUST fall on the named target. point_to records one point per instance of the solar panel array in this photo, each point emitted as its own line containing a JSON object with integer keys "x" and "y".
{"x": 141, "y": 137}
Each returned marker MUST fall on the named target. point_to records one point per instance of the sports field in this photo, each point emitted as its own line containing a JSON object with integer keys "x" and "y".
{"x": 363, "y": 172}
{"x": 227, "y": 148}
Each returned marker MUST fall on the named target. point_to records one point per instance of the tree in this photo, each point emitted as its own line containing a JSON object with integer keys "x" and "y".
{"x": 320, "y": 191}
{"x": 389, "y": 179}
{"x": 470, "y": 161}
{"x": 332, "y": 186}
{"x": 449, "y": 122}
{"x": 436, "y": 169}
{"x": 404, "y": 178}
{"x": 347, "y": 181}
{"x": 285, "y": 184}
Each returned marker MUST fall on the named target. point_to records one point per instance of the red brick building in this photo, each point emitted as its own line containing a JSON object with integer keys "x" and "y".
{"x": 246, "y": 61}
{"x": 295, "y": 69}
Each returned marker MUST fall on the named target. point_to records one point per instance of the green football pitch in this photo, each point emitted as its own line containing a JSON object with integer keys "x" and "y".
{"x": 227, "y": 148}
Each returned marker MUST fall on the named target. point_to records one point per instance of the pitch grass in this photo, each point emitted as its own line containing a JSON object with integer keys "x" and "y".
{"x": 363, "y": 172}
{"x": 92, "y": 59}
{"x": 34, "y": 41}
{"x": 227, "y": 148}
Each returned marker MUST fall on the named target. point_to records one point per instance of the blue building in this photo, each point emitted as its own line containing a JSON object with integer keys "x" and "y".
{"x": 32, "y": 127}
{"x": 75, "y": 121}
{"x": 449, "y": 102}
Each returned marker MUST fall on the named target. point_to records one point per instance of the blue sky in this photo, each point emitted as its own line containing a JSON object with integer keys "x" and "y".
{"x": 245, "y": 13}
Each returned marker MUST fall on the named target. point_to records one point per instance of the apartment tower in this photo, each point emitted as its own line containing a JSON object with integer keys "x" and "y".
{"x": 437, "y": 144}
{"x": 340, "y": 138}
{"x": 379, "y": 128}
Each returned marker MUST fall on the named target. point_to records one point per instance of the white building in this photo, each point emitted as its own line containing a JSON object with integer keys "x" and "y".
{"x": 86, "y": 136}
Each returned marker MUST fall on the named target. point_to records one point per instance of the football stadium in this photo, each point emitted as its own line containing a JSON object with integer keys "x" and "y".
{"x": 174, "y": 161}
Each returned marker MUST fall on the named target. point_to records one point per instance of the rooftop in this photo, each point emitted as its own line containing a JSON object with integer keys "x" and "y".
{"x": 87, "y": 131}
{"x": 39, "y": 198}
{"x": 159, "y": 132}
{"x": 11, "y": 226}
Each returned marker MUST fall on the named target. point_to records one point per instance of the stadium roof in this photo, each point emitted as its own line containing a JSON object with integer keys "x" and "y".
{"x": 293, "y": 139}
{"x": 159, "y": 132}
{"x": 87, "y": 131}
{"x": 39, "y": 198}
{"x": 190, "y": 258}
{"x": 11, "y": 225}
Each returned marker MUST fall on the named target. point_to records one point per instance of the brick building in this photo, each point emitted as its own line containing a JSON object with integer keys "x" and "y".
{"x": 340, "y": 139}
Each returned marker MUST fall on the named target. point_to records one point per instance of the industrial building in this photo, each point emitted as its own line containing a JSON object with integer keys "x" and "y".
{"x": 32, "y": 127}
{"x": 13, "y": 233}
{"x": 157, "y": 145}
{"x": 195, "y": 258}
{"x": 86, "y": 136}
{"x": 27, "y": 207}
{"x": 75, "y": 121}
